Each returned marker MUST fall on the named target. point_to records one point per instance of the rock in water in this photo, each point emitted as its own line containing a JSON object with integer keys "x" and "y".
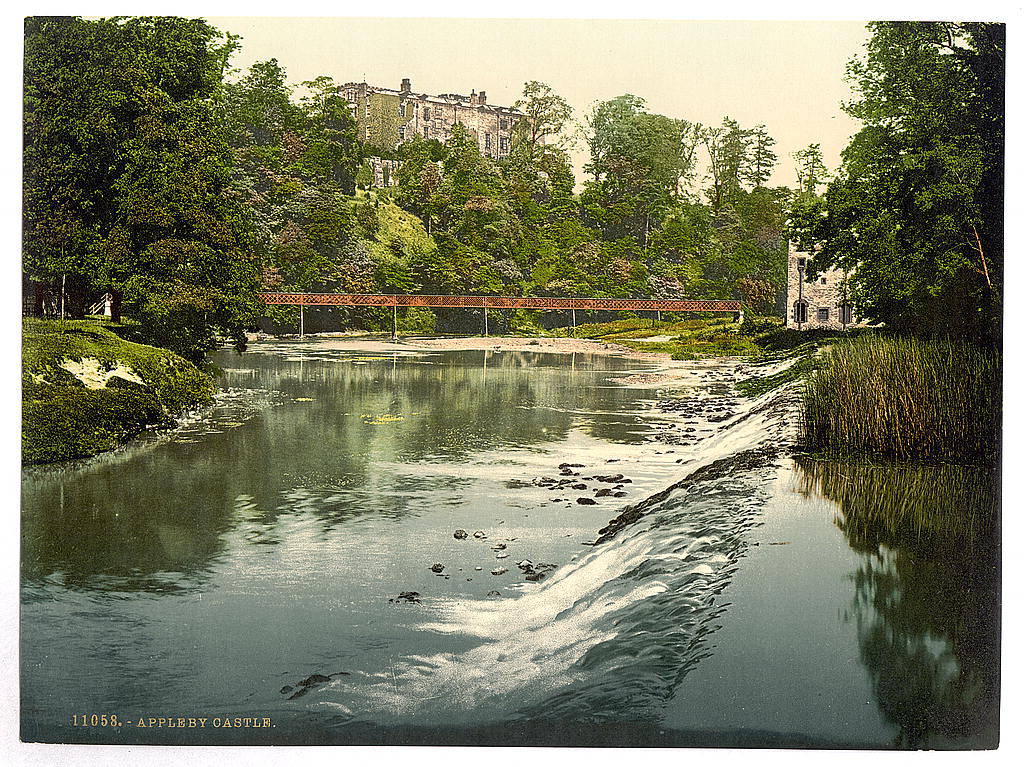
{"x": 586, "y": 501}
{"x": 437, "y": 567}
{"x": 407, "y": 596}
{"x": 499, "y": 571}
{"x": 479, "y": 534}
{"x": 461, "y": 534}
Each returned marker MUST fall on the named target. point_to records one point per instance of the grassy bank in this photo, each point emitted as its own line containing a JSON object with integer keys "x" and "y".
{"x": 85, "y": 390}
{"x": 903, "y": 398}
{"x": 689, "y": 339}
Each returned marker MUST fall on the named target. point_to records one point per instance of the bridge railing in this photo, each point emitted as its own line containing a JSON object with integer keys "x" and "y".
{"x": 502, "y": 302}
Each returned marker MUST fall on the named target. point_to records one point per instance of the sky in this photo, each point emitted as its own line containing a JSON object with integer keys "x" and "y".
{"x": 787, "y": 75}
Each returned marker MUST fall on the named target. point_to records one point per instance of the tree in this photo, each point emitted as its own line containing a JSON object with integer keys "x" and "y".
{"x": 546, "y": 115}
{"x": 127, "y": 174}
{"x": 331, "y": 146}
{"x": 915, "y": 212}
{"x": 762, "y": 159}
{"x": 810, "y": 169}
{"x": 419, "y": 178}
{"x": 728, "y": 160}
{"x": 639, "y": 162}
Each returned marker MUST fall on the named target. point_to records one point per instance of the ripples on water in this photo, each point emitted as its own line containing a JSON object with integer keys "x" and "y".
{"x": 607, "y": 638}
{"x": 259, "y": 541}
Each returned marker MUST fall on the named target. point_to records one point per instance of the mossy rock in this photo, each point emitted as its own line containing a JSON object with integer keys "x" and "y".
{"x": 63, "y": 419}
{"x": 116, "y": 382}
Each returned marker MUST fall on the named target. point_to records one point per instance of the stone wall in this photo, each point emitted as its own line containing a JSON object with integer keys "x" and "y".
{"x": 385, "y": 172}
{"x": 825, "y": 297}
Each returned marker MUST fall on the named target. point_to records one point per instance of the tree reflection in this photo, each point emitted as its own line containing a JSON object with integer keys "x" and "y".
{"x": 925, "y": 595}
{"x": 158, "y": 519}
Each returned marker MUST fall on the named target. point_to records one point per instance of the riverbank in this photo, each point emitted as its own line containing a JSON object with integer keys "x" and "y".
{"x": 668, "y": 372}
{"x": 85, "y": 390}
{"x": 540, "y": 344}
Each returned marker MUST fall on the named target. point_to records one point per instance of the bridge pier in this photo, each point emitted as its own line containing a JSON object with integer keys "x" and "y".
{"x": 640, "y": 305}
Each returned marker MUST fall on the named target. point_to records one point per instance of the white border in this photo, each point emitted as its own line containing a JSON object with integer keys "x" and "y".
{"x": 33, "y": 754}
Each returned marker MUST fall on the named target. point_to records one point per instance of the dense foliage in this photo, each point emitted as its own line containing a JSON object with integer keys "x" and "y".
{"x": 127, "y": 176}
{"x": 917, "y": 207}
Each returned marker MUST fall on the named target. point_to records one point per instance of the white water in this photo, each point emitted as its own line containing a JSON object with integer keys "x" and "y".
{"x": 607, "y": 637}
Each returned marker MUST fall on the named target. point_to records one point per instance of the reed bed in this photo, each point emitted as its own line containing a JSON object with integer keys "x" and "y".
{"x": 905, "y": 398}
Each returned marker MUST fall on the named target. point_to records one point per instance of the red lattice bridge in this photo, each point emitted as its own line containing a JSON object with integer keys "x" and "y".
{"x": 500, "y": 302}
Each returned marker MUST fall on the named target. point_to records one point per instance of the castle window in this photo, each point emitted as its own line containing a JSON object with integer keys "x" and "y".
{"x": 401, "y": 133}
{"x": 846, "y": 314}
{"x": 426, "y": 131}
{"x": 487, "y": 142}
{"x": 823, "y": 314}
{"x": 801, "y": 263}
{"x": 503, "y": 144}
{"x": 503, "y": 124}
{"x": 800, "y": 311}
{"x": 426, "y": 113}
{"x": 824, "y": 281}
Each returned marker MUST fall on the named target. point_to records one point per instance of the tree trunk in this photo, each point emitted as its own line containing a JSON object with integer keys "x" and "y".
{"x": 39, "y": 298}
{"x": 115, "y": 305}
{"x": 77, "y": 298}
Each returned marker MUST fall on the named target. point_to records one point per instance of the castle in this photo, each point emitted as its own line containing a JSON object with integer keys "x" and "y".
{"x": 387, "y": 117}
{"x": 823, "y": 303}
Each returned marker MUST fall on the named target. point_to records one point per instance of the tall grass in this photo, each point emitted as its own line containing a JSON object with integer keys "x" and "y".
{"x": 905, "y": 398}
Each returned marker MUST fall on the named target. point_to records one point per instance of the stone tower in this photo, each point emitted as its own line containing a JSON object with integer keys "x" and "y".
{"x": 822, "y": 303}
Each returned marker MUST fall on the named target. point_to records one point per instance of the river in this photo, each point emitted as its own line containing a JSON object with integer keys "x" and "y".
{"x": 292, "y": 556}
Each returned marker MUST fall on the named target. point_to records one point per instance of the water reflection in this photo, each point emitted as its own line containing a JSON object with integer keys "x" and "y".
{"x": 925, "y": 600}
{"x": 317, "y": 435}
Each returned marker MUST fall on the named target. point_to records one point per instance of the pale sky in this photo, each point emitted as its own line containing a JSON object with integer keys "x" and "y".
{"x": 787, "y": 75}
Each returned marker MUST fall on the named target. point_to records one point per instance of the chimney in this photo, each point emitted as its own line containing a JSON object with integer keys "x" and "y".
{"x": 472, "y": 97}
{"x": 406, "y": 85}
{"x": 482, "y": 97}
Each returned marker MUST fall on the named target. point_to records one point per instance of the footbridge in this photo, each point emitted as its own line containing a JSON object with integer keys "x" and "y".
{"x": 394, "y": 301}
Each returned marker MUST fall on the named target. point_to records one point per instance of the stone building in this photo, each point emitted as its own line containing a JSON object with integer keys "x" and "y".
{"x": 385, "y": 172}
{"x": 387, "y": 118}
{"x": 821, "y": 303}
